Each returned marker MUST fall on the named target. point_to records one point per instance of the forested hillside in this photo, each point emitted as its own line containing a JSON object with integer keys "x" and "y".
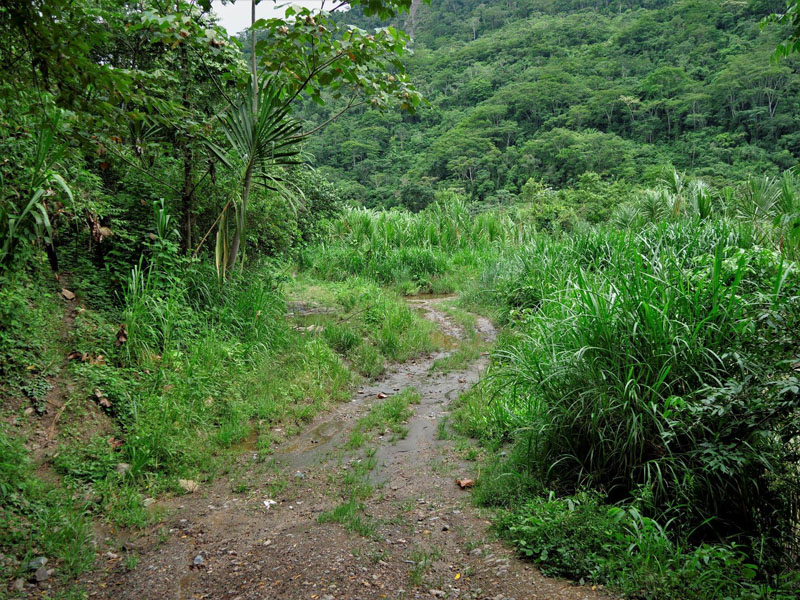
{"x": 560, "y": 91}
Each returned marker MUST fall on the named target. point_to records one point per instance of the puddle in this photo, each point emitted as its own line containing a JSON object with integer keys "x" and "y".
{"x": 249, "y": 443}
{"x": 314, "y": 438}
{"x": 443, "y": 340}
{"x": 305, "y": 319}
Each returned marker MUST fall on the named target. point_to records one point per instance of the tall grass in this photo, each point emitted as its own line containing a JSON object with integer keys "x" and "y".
{"x": 415, "y": 252}
{"x": 655, "y": 364}
{"x": 210, "y": 364}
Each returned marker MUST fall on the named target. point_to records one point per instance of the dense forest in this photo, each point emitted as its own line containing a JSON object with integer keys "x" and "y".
{"x": 298, "y": 310}
{"x": 565, "y": 92}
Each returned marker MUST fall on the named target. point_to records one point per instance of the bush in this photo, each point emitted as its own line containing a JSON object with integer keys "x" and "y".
{"x": 654, "y": 366}
{"x": 582, "y": 539}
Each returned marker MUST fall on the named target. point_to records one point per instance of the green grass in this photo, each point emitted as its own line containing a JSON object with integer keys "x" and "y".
{"x": 433, "y": 251}
{"x": 466, "y": 354}
{"x": 39, "y": 519}
{"x": 422, "y": 558}
{"x": 642, "y": 364}
{"x": 389, "y": 415}
{"x": 364, "y": 323}
{"x": 582, "y": 539}
{"x": 354, "y": 488}
{"x": 350, "y": 514}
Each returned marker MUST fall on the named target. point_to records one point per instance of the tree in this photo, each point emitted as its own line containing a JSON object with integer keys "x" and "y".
{"x": 790, "y": 18}
{"x": 302, "y": 54}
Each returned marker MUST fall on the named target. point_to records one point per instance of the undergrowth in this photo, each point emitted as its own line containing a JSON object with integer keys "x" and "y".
{"x": 652, "y": 366}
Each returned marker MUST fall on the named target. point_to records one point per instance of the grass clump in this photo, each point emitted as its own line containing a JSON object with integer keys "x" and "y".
{"x": 355, "y": 487}
{"x": 350, "y": 514}
{"x": 422, "y": 558}
{"x": 39, "y": 519}
{"x": 389, "y": 415}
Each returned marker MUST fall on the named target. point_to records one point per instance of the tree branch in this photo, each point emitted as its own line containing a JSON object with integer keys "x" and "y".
{"x": 311, "y": 74}
{"x": 350, "y": 105}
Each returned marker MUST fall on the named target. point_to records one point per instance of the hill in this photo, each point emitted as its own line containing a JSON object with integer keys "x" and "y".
{"x": 557, "y": 91}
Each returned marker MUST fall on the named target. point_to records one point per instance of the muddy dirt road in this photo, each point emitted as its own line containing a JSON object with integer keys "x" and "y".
{"x": 424, "y": 539}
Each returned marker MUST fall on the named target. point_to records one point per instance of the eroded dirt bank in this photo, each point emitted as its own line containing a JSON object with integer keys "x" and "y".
{"x": 423, "y": 538}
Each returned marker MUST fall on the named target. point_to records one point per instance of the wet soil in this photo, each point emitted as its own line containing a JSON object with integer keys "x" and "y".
{"x": 427, "y": 539}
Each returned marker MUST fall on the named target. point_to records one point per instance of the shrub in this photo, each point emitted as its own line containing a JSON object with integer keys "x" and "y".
{"x": 655, "y": 365}
{"x": 582, "y": 539}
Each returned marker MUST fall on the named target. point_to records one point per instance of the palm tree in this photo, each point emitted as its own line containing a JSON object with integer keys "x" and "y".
{"x": 263, "y": 139}
{"x": 262, "y": 142}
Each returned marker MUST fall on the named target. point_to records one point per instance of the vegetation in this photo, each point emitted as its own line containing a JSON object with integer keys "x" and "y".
{"x": 653, "y": 365}
{"x": 387, "y": 416}
{"x": 547, "y": 93}
{"x": 613, "y": 183}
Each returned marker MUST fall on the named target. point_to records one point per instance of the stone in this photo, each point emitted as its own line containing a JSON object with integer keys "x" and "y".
{"x": 19, "y": 585}
{"x": 189, "y": 485}
{"x": 198, "y": 560}
{"x": 37, "y": 563}
{"x": 122, "y": 468}
{"x": 41, "y": 575}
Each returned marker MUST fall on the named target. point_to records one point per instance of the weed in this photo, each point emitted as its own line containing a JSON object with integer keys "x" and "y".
{"x": 351, "y": 515}
{"x": 39, "y": 520}
{"x": 131, "y": 560}
{"x": 389, "y": 415}
{"x": 442, "y": 429}
{"x": 422, "y": 558}
{"x": 163, "y": 536}
{"x": 377, "y": 556}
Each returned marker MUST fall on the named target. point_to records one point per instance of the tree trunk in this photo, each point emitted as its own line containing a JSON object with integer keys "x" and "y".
{"x": 242, "y": 220}
{"x": 187, "y": 194}
{"x": 187, "y": 191}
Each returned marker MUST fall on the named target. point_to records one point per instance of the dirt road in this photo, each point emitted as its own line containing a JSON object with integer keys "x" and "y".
{"x": 422, "y": 536}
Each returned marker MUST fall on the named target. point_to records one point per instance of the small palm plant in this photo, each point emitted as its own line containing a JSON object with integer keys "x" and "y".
{"x": 759, "y": 198}
{"x": 262, "y": 139}
{"x": 702, "y": 202}
{"x": 32, "y": 220}
{"x": 654, "y": 204}
{"x": 676, "y": 184}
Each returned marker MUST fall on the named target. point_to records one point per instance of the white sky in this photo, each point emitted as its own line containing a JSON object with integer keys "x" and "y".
{"x": 235, "y": 17}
